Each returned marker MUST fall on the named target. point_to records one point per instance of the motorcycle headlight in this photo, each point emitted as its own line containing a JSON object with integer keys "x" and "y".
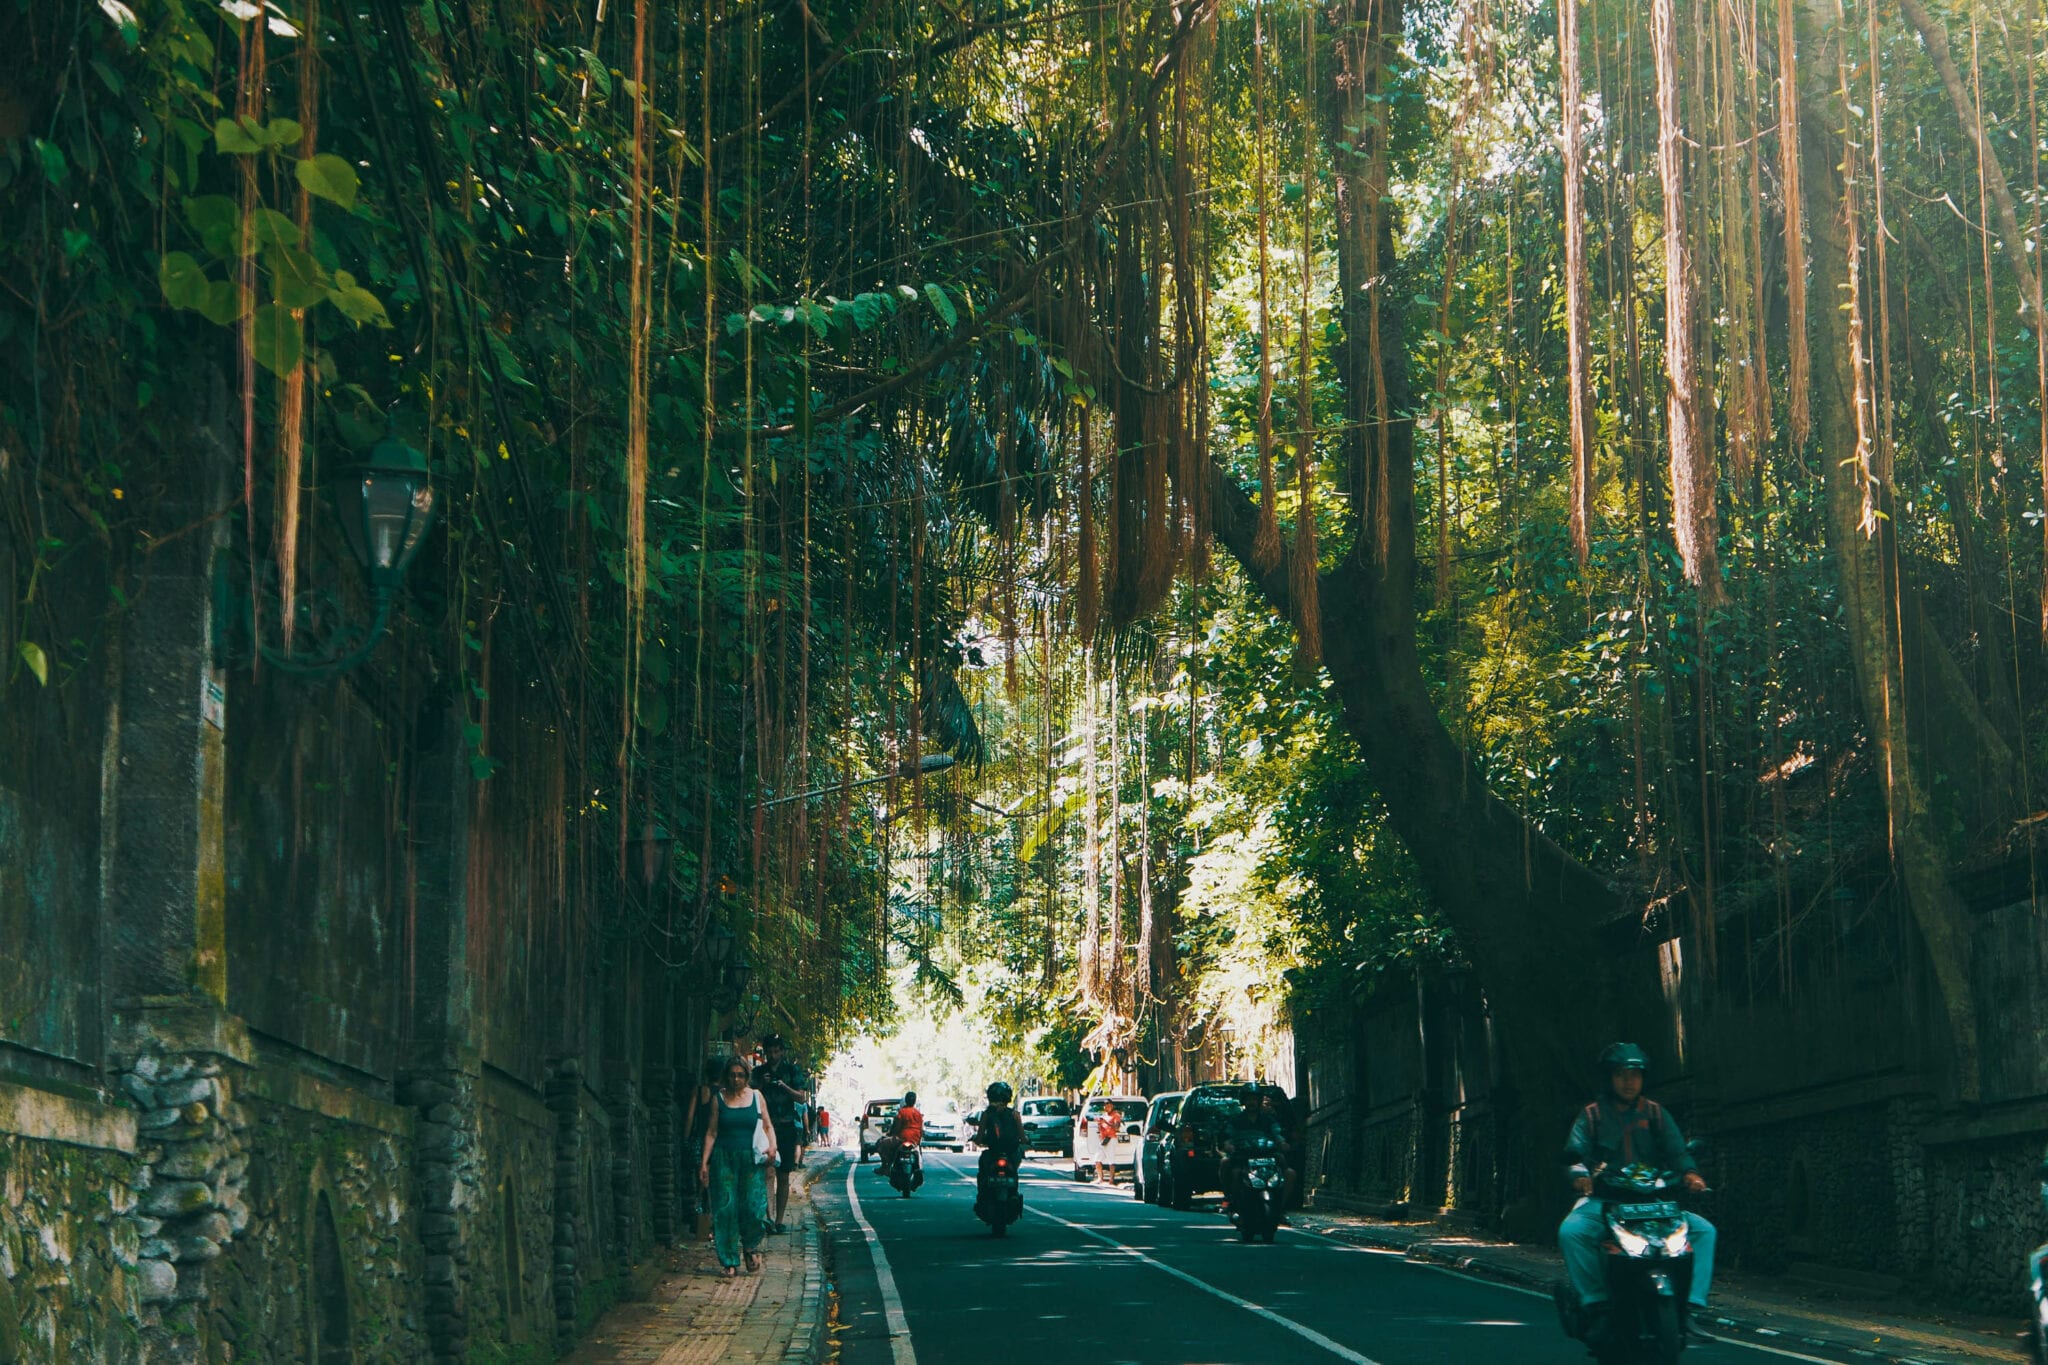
{"x": 1632, "y": 1242}
{"x": 1678, "y": 1241}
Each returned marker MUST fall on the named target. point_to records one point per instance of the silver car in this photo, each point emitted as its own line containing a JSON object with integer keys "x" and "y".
{"x": 942, "y": 1128}
{"x": 1048, "y": 1124}
{"x": 1152, "y": 1141}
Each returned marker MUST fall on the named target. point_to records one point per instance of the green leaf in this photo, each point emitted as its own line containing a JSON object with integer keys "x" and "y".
{"x": 75, "y": 243}
{"x": 38, "y": 663}
{"x": 223, "y": 302}
{"x": 183, "y": 280}
{"x": 274, "y": 229}
{"x": 942, "y": 305}
{"x": 276, "y": 340}
{"x": 328, "y": 177}
{"x": 238, "y": 136}
{"x": 282, "y": 132}
{"x": 359, "y": 305}
{"x": 296, "y": 279}
{"x": 217, "y": 219}
{"x": 52, "y": 158}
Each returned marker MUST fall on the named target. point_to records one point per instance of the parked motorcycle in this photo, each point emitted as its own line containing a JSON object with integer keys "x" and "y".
{"x": 1648, "y": 1262}
{"x": 1258, "y": 1200}
{"x": 998, "y": 1201}
{"x": 907, "y": 1173}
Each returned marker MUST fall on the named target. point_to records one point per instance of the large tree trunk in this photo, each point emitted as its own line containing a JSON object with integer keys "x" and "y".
{"x": 1863, "y": 561}
{"x": 1524, "y": 911}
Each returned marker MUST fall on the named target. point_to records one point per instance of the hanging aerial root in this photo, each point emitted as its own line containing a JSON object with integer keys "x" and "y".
{"x": 1692, "y": 459}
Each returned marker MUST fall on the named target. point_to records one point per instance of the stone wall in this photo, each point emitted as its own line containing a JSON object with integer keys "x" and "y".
{"x": 69, "y": 1278}
{"x": 1984, "y": 1214}
{"x": 330, "y": 1259}
{"x": 508, "y": 1278}
{"x": 288, "y": 990}
{"x": 1827, "y": 1158}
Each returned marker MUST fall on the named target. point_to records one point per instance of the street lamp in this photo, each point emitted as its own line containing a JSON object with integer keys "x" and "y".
{"x": 648, "y": 854}
{"x": 718, "y": 945}
{"x": 385, "y": 505}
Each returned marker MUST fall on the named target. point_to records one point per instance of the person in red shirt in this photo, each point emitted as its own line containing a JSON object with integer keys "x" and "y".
{"x": 1107, "y": 1125}
{"x": 905, "y": 1130}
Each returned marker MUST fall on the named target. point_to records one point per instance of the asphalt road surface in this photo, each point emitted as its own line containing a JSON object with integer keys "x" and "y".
{"x": 1091, "y": 1275}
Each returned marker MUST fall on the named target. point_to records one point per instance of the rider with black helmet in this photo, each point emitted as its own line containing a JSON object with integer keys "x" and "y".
{"x": 1001, "y": 1131}
{"x": 1621, "y": 1128}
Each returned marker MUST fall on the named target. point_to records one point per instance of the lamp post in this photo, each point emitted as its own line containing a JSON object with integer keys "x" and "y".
{"x": 385, "y": 505}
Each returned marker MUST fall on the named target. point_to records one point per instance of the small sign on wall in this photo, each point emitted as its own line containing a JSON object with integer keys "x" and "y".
{"x": 213, "y": 700}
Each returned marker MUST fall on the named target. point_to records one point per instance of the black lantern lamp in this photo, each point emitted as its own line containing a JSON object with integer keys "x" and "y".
{"x": 648, "y": 854}
{"x": 385, "y": 505}
{"x": 718, "y": 945}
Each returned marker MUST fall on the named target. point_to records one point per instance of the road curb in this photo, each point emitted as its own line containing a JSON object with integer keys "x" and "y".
{"x": 810, "y": 1342}
{"x": 1508, "y": 1271}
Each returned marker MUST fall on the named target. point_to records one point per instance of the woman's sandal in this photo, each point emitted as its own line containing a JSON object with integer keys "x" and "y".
{"x": 753, "y": 1263}
{"x": 728, "y": 1272}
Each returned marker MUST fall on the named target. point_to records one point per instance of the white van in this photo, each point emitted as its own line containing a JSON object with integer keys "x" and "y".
{"x": 1119, "y": 1151}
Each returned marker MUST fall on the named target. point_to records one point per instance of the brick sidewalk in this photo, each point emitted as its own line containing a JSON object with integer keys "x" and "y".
{"x": 694, "y": 1316}
{"x": 1742, "y": 1307}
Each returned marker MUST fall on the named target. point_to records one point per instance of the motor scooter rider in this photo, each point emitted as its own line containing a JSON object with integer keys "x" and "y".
{"x": 1259, "y": 1118}
{"x": 906, "y": 1129}
{"x": 1622, "y": 1128}
{"x": 1001, "y": 1132}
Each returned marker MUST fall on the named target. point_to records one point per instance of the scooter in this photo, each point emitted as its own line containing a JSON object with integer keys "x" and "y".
{"x": 1256, "y": 1204}
{"x": 906, "y": 1173}
{"x": 998, "y": 1201}
{"x": 1648, "y": 1261}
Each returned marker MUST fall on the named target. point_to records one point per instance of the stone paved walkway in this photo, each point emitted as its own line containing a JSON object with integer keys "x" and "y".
{"x": 696, "y": 1317}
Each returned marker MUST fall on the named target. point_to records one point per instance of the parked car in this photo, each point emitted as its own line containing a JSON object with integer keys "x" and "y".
{"x": 874, "y": 1124}
{"x": 944, "y": 1127}
{"x": 1048, "y": 1124}
{"x": 1152, "y": 1140}
{"x": 1192, "y": 1163}
{"x": 1121, "y": 1150}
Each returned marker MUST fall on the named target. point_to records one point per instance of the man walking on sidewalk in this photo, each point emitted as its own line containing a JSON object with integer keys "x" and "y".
{"x": 786, "y": 1089}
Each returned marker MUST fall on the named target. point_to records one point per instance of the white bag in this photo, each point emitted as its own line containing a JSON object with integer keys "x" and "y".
{"x": 764, "y": 1144}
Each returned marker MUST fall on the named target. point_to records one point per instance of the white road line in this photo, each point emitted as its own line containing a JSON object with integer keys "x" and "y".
{"x": 1336, "y": 1348}
{"x": 885, "y": 1279}
{"x": 1309, "y": 1334}
{"x": 1737, "y": 1342}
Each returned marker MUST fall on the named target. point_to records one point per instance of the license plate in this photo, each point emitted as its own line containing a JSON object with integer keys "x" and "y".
{"x": 1635, "y": 1213}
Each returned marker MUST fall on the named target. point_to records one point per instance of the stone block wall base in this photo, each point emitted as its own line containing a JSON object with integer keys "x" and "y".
{"x": 447, "y": 1179}
{"x": 192, "y": 1159}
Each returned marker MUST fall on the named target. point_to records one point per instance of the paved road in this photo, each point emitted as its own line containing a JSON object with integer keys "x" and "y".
{"x": 1092, "y": 1275}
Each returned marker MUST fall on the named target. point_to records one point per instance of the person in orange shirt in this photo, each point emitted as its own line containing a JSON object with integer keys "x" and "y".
{"x": 905, "y": 1130}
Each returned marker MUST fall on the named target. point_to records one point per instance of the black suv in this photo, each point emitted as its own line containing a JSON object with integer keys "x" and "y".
{"x": 1192, "y": 1163}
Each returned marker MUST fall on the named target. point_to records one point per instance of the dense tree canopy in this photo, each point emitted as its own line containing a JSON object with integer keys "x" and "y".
{"x": 1351, "y": 484}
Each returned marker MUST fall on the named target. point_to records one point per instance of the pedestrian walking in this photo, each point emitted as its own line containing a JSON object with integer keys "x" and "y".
{"x": 786, "y": 1088}
{"x": 697, "y": 1118}
{"x": 733, "y": 1169}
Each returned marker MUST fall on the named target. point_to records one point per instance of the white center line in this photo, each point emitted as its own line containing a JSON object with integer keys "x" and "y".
{"x": 1309, "y": 1334}
{"x": 885, "y": 1279}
